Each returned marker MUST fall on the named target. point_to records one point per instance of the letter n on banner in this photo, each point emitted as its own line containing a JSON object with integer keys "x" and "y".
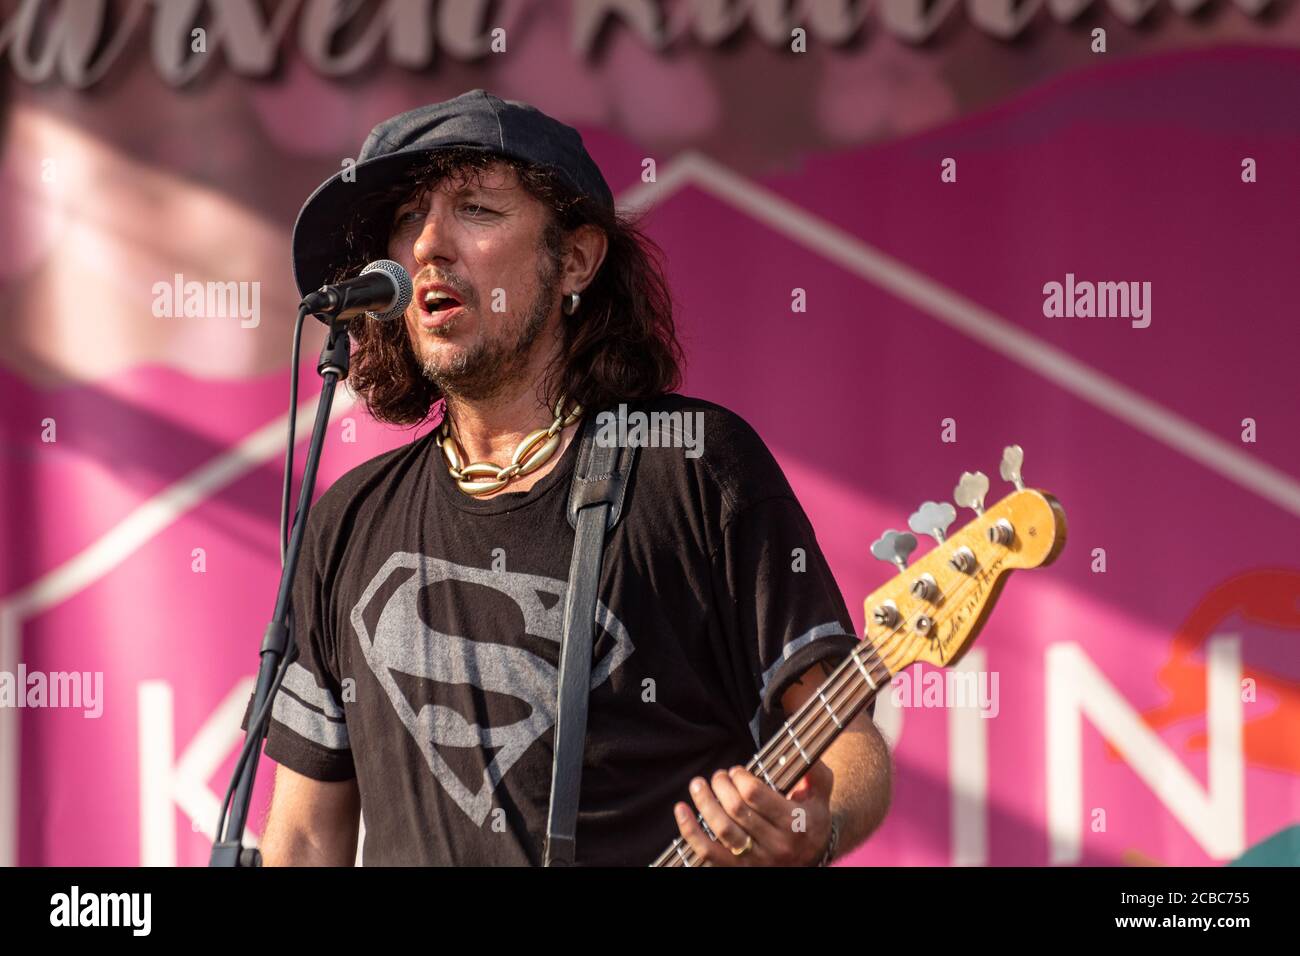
{"x": 1214, "y": 815}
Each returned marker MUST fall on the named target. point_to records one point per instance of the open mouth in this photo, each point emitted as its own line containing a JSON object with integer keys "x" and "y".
{"x": 439, "y": 300}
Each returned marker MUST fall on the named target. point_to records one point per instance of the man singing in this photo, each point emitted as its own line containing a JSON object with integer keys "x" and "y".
{"x": 428, "y": 602}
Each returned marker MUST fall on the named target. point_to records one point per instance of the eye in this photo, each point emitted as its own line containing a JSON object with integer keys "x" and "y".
{"x": 474, "y": 209}
{"x": 410, "y": 215}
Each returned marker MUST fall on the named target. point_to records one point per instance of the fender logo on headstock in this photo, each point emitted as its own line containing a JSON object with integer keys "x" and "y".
{"x": 971, "y": 606}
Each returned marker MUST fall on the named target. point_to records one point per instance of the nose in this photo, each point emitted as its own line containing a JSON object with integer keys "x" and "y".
{"x": 433, "y": 246}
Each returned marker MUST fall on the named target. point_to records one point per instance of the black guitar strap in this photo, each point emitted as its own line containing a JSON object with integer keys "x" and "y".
{"x": 600, "y": 478}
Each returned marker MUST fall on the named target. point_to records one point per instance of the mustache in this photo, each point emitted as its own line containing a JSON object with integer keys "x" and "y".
{"x": 460, "y": 287}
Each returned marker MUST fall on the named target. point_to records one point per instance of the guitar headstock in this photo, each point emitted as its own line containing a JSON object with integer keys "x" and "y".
{"x": 933, "y": 610}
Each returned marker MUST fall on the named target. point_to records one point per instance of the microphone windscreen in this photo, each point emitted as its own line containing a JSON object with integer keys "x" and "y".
{"x": 401, "y": 279}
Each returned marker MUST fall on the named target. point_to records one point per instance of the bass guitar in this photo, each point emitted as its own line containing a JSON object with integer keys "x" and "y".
{"x": 931, "y": 611}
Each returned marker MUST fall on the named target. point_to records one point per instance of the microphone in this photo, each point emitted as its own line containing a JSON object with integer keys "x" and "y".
{"x": 382, "y": 291}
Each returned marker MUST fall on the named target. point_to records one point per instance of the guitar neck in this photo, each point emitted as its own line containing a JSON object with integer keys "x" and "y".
{"x": 809, "y": 731}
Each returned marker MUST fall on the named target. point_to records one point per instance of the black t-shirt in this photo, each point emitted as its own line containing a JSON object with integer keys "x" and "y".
{"x": 428, "y": 625}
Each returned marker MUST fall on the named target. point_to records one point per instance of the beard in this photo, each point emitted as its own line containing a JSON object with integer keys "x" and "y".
{"x": 490, "y": 365}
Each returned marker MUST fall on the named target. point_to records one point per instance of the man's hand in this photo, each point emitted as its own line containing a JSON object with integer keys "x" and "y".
{"x": 746, "y": 814}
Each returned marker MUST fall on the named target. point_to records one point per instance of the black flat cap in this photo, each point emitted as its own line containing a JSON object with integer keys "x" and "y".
{"x": 477, "y": 120}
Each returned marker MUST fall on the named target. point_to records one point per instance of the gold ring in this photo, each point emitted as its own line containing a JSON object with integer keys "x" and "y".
{"x": 749, "y": 845}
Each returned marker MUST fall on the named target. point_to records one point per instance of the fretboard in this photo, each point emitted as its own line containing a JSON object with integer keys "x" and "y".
{"x": 806, "y": 735}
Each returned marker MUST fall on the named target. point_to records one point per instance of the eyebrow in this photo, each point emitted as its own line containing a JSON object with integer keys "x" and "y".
{"x": 477, "y": 187}
{"x": 465, "y": 190}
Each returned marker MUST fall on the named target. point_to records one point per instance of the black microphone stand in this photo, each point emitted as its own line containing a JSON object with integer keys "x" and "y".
{"x": 278, "y": 651}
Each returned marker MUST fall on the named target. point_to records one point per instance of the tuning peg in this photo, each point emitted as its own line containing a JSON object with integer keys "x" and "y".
{"x": 1013, "y": 456}
{"x": 933, "y": 518}
{"x": 970, "y": 491}
{"x": 894, "y": 547}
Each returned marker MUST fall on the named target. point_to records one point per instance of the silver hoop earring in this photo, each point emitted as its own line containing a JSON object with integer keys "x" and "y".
{"x": 571, "y": 303}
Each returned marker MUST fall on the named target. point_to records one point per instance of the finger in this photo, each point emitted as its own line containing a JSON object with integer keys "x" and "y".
{"x": 762, "y": 799}
{"x": 728, "y": 830}
{"x": 764, "y": 832}
{"x": 707, "y": 853}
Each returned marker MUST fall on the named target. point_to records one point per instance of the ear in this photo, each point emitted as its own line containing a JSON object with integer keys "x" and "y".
{"x": 585, "y": 250}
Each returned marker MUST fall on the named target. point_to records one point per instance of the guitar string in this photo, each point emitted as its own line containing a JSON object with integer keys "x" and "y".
{"x": 845, "y": 679}
{"x": 889, "y": 646}
{"x": 881, "y": 652}
{"x": 893, "y": 642}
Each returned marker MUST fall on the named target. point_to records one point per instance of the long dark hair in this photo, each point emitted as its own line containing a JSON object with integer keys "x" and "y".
{"x": 621, "y": 345}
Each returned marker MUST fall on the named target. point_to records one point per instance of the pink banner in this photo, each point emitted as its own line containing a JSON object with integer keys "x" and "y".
{"x": 1097, "y": 268}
